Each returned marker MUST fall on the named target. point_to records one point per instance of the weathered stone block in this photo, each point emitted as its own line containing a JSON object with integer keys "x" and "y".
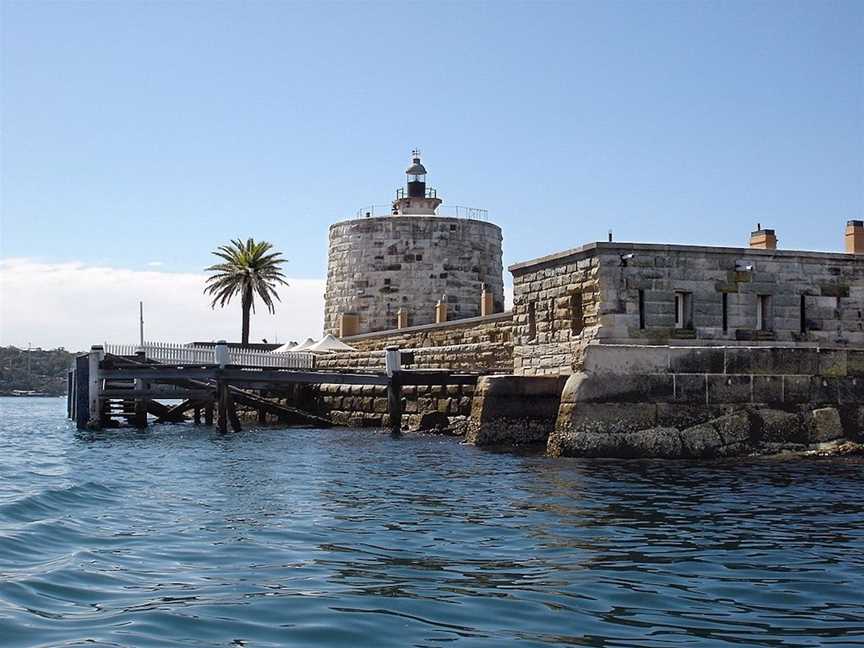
{"x": 767, "y": 389}
{"x": 777, "y": 426}
{"x": 690, "y": 388}
{"x": 824, "y": 425}
{"x": 824, "y": 390}
{"x": 700, "y": 441}
{"x": 608, "y": 417}
{"x": 850, "y": 390}
{"x": 728, "y": 389}
{"x": 696, "y": 360}
{"x": 619, "y": 388}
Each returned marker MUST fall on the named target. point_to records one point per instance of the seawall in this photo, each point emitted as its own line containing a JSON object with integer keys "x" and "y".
{"x": 702, "y": 402}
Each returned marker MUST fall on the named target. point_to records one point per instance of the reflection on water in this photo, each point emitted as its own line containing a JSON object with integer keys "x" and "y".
{"x": 178, "y": 536}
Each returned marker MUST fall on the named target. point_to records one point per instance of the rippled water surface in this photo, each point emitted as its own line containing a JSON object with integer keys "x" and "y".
{"x": 282, "y": 537}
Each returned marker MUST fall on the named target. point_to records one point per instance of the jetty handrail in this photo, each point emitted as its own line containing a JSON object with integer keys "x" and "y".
{"x": 189, "y": 354}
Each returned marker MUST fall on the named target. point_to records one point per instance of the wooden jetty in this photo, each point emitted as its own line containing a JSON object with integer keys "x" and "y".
{"x": 125, "y": 384}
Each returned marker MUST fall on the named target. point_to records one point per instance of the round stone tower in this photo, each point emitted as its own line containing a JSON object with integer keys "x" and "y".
{"x": 409, "y": 265}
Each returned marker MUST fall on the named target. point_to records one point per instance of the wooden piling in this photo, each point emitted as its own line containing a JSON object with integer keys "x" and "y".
{"x": 222, "y": 406}
{"x": 140, "y": 405}
{"x": 69, "y": 392}
{"x": 394, "y": 404}
{"x": 393, "y": 367}
{"x": 197, "y": 416}
{"x": 232, "y": 412}
{"x": 94, "y": 403}
{"x": 208, "y": 413}
{"x": 82, "y": 391}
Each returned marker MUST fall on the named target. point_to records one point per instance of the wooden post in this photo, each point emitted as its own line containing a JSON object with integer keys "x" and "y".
{"x": 208, "y": 413}
{"x": 95, "y": 386}
{"x": 262, "y": 416}
{"x": 222, "y": 403}
{"x": 69, "y": 380}
{"x": 140, "y": 420}
{"x": 393, "y": 366}
{"x": 82, "y": 391}
{"x": 197, "y": 418}
{"x": 394, "y": 403}
{"x": 232, "y": 411}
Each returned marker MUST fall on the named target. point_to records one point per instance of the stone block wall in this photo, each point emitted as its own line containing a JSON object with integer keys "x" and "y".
{"x": 483, "y": 357}
{"x": 628, "y": 295}
{"x": 699, "y": 402}
{"x": 424, "y": 407}
{"x": 495, "y": 329}
{"x": 556, "y": 313}
{"x": 378, "y": 265}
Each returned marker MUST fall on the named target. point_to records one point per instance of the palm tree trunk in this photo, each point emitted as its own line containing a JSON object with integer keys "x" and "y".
{"x": 247, "y": 307}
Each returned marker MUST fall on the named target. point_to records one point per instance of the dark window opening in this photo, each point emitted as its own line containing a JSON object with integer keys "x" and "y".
{"x": 641, "y": 309}
{"x": 725, "y": 298}
{"x": 532, "y": 321}
{"x": 577, "y": 320}
{"x": 763, "y": 313}
{"x": 683, "y": 310}
{"x": 803, "y": 313}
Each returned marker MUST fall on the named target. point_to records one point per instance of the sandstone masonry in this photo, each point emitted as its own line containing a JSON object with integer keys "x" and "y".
{"x": 379, "y": 265}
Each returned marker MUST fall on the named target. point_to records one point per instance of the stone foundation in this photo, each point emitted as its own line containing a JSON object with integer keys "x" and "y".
{"x": 709, "y": 402}
{"x": 514, "y": 410}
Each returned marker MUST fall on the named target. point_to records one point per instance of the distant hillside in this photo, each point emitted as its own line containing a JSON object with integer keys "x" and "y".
{"x": 46, "y": 374}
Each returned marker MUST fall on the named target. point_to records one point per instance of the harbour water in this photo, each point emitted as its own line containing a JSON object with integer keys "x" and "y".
{"x": 179, "y": 536}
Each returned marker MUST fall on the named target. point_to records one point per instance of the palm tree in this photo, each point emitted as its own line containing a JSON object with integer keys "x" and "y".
{"x": 247, "y": 269}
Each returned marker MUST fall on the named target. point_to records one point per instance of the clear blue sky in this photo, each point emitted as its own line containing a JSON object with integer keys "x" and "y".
{"x": 151, "y": 131}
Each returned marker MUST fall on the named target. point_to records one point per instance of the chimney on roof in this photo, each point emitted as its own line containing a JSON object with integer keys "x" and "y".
{"x": 763, "y": 239}
{"x": 855, "y": 237}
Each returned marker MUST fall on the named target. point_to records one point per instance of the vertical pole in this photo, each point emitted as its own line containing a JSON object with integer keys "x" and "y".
{"x": 262, "y": 416}
{"x": 232, "y": 411}
{"x": 141, "y": 323}
{"x": 197, "y": 418}
{"x": 394, "y": 403}
{"x": 95, "y": 385}
{"x": 82, "y": 391}
{"x": 140, "y": 419}
{"x": 220, "y": 353}
{"x": 392, "y": 360}
{"x": 393, "y": 366}
{"x": 222, "y": 402}
{"x": 69, "y": 375}
{"x": 208, "y": 413}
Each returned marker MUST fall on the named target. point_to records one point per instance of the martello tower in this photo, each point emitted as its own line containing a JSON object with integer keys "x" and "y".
{"x": 407, "y": 264}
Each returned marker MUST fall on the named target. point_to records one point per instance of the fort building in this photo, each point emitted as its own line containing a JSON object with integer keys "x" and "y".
{"x": 413, "y": 263}
{"x": 646, "y": 350}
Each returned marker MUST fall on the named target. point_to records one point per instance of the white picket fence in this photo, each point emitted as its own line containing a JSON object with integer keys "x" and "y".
{"x": 183, "y": 354}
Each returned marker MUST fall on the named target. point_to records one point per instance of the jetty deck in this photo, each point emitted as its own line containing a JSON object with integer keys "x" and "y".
{"x": 123, "y": 385}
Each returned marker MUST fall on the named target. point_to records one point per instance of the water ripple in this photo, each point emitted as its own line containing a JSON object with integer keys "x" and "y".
{"x": 178, "y": 536}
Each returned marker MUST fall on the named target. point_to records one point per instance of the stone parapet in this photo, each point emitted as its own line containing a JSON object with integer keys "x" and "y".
{"x": 495, "y": 329}
{"x": 479, "y": 357}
